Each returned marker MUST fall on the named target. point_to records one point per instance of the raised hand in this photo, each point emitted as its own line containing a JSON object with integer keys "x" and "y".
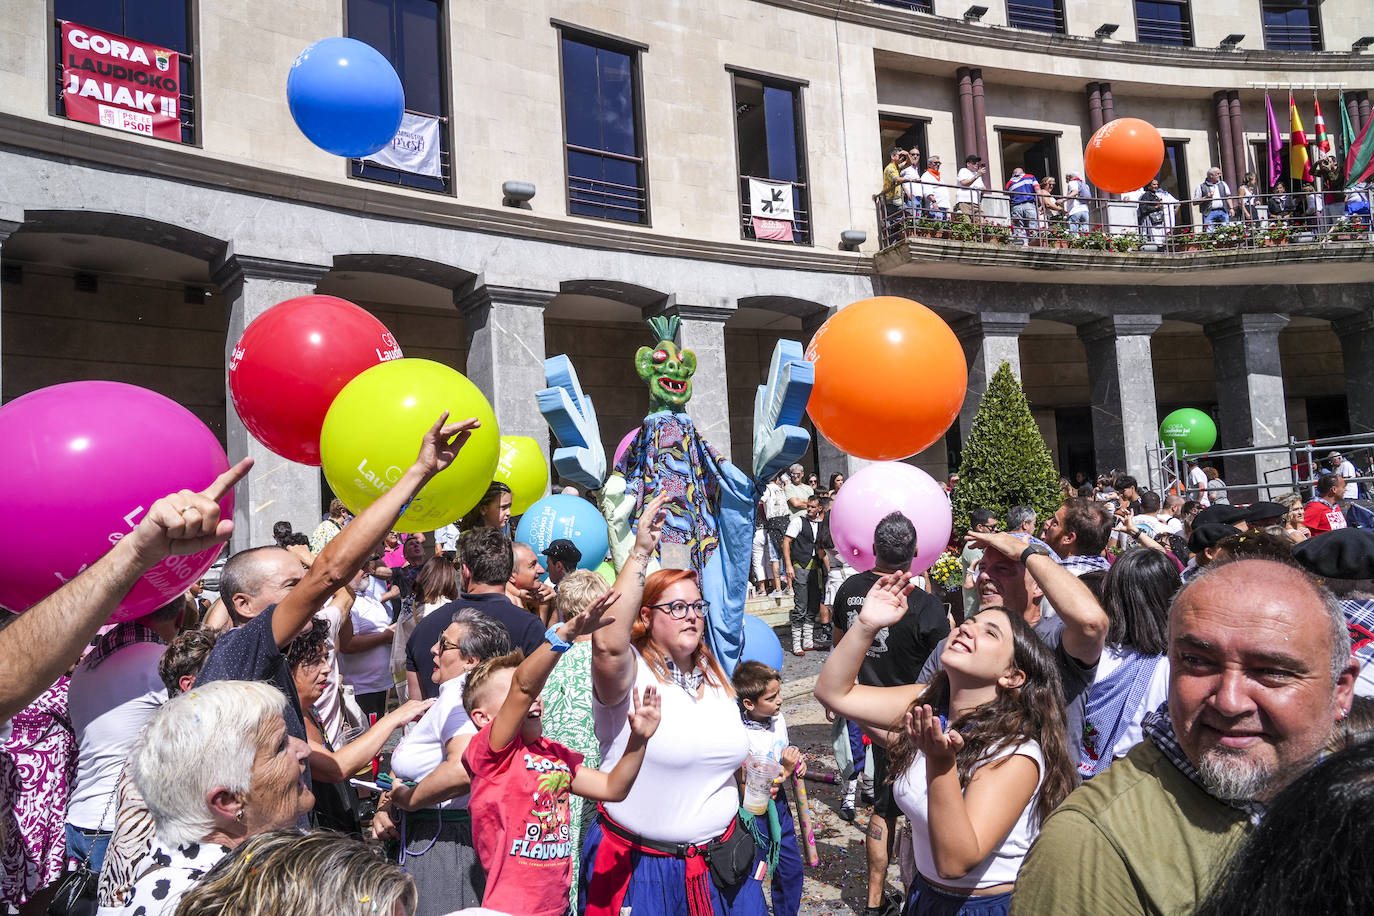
{"x": 928, "y": 735}
{"x": 589, "y": 619}
{"x": 651, "y": 522}
{"x": 645, "y": 714}
{"x": 886, "y": 602}
{"x": 442, "y": 443}
{"x": 185, "y": 522}
{"x": 1004, "y": 542}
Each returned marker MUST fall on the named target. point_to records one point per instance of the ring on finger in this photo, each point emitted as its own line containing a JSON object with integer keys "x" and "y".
{"x": 185, "y": 509}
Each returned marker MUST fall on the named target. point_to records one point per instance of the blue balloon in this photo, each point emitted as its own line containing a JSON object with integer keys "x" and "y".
{"x": 761, "y": 643}
{"x": 570, "y": 517}
{"x": 345, "y": 96}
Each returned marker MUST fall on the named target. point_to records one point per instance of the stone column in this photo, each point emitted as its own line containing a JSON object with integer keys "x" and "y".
{"x": 1364, "y": 108}
{"x": 1238, "y": 144}
{"x": 980, "y": 115}
{"x": 505, "y": 337}
{"x": 701, "y": 329}
{"x": 967, "y": 128}
{"x": 1352, "y": 108}
{"x": 1245, "y": 351}
{"x": 7, "y": 228}
{"x": 1121, "y": 378}
{"x": 1356, "y": 334}
{"x": 1095, "y": 107}
{"x": 276, "y": 488}
{"x": 1108, "y": 105}
{"x": 989, "y": 339}
{"x": 1225, "y": 147}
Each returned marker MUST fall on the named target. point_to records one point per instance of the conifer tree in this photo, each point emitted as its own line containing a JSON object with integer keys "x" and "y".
{"x": 1005, "y": 462}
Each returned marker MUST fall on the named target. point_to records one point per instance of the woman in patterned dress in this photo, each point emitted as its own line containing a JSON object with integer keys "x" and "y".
{"x": 36, "y": 773}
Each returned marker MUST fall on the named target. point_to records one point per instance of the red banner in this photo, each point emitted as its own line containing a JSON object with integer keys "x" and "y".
{"x": 116, "y": 82}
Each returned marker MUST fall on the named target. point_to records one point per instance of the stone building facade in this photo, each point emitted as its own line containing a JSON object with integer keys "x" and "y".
{"x": 142, "y": 260}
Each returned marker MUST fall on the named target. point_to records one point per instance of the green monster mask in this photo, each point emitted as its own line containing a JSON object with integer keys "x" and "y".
{"x": 666, "y": 369}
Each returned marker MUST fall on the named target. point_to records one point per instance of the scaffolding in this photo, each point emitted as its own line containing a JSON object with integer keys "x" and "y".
{"x": 1168, "y": 468}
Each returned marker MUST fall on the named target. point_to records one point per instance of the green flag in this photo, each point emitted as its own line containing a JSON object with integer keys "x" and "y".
{"x": 1359, "y": 150}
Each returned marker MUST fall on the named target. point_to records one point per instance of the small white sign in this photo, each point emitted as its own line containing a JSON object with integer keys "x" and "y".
{"x": 415, "y": 148}
{"x": 770, "y": 199}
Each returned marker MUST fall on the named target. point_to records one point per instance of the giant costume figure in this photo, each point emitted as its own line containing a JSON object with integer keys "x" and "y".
{"x": 710, "y": 522}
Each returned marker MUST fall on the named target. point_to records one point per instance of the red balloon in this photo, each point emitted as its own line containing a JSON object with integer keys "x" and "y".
{"x": 291, "y": 362}
{"x": 1124, "y": 155}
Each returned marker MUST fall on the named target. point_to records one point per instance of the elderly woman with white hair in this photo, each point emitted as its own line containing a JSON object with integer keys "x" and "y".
{"x": 215, "y": 767}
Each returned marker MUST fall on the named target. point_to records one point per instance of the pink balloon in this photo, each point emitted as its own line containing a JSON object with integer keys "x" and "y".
{"x": 878, "y": 489}
{"x": 83, "y": 462}
{"x": 624, "y": 446}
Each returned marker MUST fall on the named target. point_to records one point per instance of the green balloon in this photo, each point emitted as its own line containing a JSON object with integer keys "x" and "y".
{"x": 607, "y": 572}
{"x": 1189, "y": 429}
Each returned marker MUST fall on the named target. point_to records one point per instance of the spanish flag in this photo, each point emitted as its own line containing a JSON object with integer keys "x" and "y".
{"x": 1298, "y": 166}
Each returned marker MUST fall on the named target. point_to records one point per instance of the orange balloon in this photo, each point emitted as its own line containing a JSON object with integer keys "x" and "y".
{"x": 1124, "y": 155}
{"x": 890, "y": 378}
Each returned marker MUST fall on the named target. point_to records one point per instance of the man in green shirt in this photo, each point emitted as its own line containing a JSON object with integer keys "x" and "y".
{"x": 1260, "y": 671}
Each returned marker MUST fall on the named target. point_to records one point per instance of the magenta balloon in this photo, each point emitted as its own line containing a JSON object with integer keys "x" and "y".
{"x": 624, "y": 446}
{"x": 82, "y": 463}
{"x": 878, "y": 489}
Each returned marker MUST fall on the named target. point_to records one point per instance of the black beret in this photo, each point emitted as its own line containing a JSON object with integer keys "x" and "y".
{"x": 1258, "y": 512}
{"x": 1346, "y": 553}
{"x": 1205, "y": 536}
{"x": 1220, "y": 515}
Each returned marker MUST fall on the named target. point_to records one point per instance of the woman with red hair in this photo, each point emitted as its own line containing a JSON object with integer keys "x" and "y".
{"x": 649, "y": 854}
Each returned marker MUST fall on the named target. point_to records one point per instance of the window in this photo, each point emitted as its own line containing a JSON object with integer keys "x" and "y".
{"x": 1291, "y": 25}
{"x": 771, "y": 140}
{"x": 602, "y": 129}
{"x": 1039, "y": 15}
{"x": 1260, "y": 152}
{"x": 1173, "y": 177}
{"x": 1037, "y": 153}
{"x": 894, "y": 130}
{"x": 409, "y": 34}
{"x": 165, "y": 23}
{"x": 1163, "y": 22}
{"x": 916, "y": 6}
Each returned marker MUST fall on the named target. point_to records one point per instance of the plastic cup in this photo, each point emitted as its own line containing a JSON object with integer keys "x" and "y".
{"x": 759, "y": 773}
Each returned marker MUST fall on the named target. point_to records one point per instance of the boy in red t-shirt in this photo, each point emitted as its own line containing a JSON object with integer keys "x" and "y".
{"x": 520, "y": 803}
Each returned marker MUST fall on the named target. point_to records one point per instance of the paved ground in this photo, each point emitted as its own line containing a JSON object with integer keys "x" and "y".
{"x": 837, "y": 887}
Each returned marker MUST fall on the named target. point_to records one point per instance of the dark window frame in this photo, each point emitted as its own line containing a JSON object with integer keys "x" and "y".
{"x": 633, "y": 49}
{"x": 1056, "y": 135}
{"x": 1185, "y": 208}
{"x": 190, "y": 60}
{"x": 796, "y": 86}
{"x": 923, "y": 121}
{"x": 1186, "y": 6}
{"x": 1058, "y": 13}
{"x": 357, "y": 169}
{"x": 1313, "y": 8}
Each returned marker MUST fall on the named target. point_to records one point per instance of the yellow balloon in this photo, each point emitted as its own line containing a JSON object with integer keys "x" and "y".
{"x": 522, "y": 468}
{"x": 373, "y": 430}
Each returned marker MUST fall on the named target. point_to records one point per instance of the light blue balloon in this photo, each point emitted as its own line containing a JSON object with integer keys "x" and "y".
{"x": 345, "y": 97}
{"x": 570, "y": 517}
{"x": 761, "y": 643}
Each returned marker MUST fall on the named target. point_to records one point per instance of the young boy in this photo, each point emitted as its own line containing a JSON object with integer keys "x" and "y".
{"x": 520, "y": 803}
{"x": 758, "y": 689}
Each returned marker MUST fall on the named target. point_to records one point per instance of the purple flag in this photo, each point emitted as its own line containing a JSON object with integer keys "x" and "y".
{"x": 1274, "y": 144}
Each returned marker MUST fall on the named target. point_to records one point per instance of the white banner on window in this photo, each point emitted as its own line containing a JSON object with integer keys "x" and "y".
{"x": 770, "y": 199}
{"x": 415, "y": 148}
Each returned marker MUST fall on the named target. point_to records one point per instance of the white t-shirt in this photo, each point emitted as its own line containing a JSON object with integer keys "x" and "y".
{"x": 769, "y": 742}
{"x": 329, "y": 707}
{"x": 1077, "y": 204}
{"x": 969, "y": 194}
{"x": 1001, "y": 866}
{"x": 1197, "y": 479}
{"x": 911, "y": 183}
{"x": 775, "y": 501}
{"x": 1347, "y": 471}
{"x": 931, "y": 186}
{"x": 685, "y": 792}
{"x": 109, "y": 707}
{"x": 422, "y": 749}
{"x": 370, "y": 671}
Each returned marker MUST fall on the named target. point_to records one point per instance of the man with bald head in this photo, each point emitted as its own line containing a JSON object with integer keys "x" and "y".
{"x": 1260, "y": 672}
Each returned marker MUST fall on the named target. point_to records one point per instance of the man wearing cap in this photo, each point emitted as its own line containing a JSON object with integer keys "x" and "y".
{"x": 1224, "y": 514}
{"x": 1341, "y": 465}
{"x": 563, "y": 558}
{"x": 1344, "y": 561}
{"x": 1262, "y": 515}
{"x": 1203, "y": 545}
{"x": 1324, "y": 512}
{"x": 1260, "y": 672}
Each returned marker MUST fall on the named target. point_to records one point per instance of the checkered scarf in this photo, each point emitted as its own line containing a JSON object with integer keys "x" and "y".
{"x": 1159, "y": 728}
{"x": 688, "y": 682}
{"x": 123, "y": 634}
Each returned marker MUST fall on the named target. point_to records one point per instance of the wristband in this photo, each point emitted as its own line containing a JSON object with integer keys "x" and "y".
{"x": 1031, "y": 551}
{"x": 556, "y": 644}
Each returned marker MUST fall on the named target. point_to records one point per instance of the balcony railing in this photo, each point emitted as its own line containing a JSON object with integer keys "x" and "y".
{"x": 801, "y": 211}
{"x": 1292, "y": 37}
{"x": 375, "y": 171}
{"x": 1260, "y": 221}
{"x": 1164, "y": 32}
{"x": 603, "y": 199}
{"x": 1041, "y": 17}
{"x": 916, "y": 6}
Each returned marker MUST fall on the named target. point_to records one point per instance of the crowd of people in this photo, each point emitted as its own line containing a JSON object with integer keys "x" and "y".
{"x": 1134, "y": 704}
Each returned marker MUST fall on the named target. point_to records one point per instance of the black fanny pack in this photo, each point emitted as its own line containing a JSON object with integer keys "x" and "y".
{"x": 729, "y": 857}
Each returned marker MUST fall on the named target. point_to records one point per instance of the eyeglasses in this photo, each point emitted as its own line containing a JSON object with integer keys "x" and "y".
{"x": 445, "y": 645}
{"x": 678, "y": 609}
